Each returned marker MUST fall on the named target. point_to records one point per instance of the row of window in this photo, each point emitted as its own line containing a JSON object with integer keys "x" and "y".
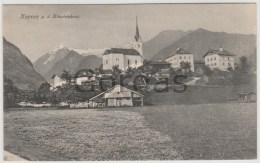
{"x": 214, "y": 58}
{"x": 181, "y": 57}
{"x": 212, "y": 64}
{"x": 215, "y": 64}
{"x": 185, "y": 57}
{"x": 211, "y": 59}
{"x": 117, "y": 59}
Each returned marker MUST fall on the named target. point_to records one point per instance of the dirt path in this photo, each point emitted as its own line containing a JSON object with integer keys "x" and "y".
{"x": 193, "y": 81}
{"x": 28, "y": 151}
{"x": 12, "y": 157}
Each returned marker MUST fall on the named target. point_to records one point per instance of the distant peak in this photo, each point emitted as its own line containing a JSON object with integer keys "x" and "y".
{"x": 201, "y": 29}
{"x": 60, "y": 46}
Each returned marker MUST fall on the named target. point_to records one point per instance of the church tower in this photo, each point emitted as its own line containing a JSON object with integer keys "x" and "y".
{"x": 138, "y": 44}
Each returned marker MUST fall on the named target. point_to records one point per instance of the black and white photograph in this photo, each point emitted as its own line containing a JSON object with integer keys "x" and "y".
{"x": 129, "y": 82}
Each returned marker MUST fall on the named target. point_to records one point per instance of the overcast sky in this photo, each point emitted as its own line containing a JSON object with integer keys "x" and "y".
{"x": 100, "y": 26}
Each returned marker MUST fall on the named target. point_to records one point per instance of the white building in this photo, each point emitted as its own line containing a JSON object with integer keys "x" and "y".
{"x": 117, "y": 96}
{"x": 220, "y": 59}
{"x": 81, "y": 80}
{"x": 181, "y": 56}
{"x": 132, "y": 56}
{"x": 57, "y": 81}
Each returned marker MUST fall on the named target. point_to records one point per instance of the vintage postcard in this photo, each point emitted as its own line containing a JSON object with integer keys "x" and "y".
{"x": 118, "y": 82}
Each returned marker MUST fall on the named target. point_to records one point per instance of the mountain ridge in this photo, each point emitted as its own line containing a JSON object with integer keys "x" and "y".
{"x": 65, "y": 59}
{"x": 19, "y": 68}
{"x": 200, "y": 41}
{"x": 160, "y": 41}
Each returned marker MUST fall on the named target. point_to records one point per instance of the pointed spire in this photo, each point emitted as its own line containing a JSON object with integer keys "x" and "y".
{"x": 137, "y": 35}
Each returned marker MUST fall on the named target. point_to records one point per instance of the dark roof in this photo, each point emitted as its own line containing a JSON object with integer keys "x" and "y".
{"x": 123, "y": 89}
{"x": 219, "y": 52}
{"x": 122, "y": 51}
{"x": 179, "y": 51}
{"x": 160, "y": 63}
{"x": 53, "y": 76}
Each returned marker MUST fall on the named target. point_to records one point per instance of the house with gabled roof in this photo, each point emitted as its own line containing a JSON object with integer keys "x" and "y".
{"x": 117, "y": 96}
{"x": 220, "y": 59}
{"x": 179, "y": 56}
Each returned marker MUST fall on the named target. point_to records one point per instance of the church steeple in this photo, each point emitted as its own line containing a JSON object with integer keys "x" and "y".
{"x": 137, "y": 44}
{"x": 137, "y": 35}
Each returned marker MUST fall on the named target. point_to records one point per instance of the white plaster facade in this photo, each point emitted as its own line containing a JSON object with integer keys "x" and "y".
{"x": 219, "y": 59}
{"x": 181, "y": 56}
{"x": 57, "y": 81}
{"x": 122, "y": 60}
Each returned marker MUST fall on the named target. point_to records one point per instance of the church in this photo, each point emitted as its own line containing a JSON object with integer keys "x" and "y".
{"x": 132, "y": 56}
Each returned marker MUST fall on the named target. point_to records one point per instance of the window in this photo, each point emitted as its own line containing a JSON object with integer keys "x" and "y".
{"x": 136, "y": 62}
{"x": 106, "y": 61}
{"x": 223, "y": 64}
{"x": 184, "y": 57}
{"x": 215, "y": 64}
{"x": 128, "y": 62}
{"x": 211, "y": 59}
{"x": 214, "y": 58}
{"x": 229, "y": 64}
{"x": 228, "y": 58}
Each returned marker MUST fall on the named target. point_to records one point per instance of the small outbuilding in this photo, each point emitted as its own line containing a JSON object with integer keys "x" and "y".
{"x": 117, "y": 96}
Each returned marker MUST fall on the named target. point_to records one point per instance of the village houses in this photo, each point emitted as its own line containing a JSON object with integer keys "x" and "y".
{"x": 181, "y": 56}
{"x": 220, "y": 59}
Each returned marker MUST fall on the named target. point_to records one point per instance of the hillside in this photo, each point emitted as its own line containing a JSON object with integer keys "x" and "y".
{"x": 200, "y": 41}
{"x": 19, "y": 68}
{"x": 160, "y": 41}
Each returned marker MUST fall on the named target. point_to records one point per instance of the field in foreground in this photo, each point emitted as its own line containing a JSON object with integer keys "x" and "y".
{"x": 84, "y": 135}
{"x": 205, "y": 131}
{"x": 208, "y": 131}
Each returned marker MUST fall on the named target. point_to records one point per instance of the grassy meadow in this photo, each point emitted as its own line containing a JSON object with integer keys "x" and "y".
{"x": 84, "y": 134}
{"x": 204, "y": 131}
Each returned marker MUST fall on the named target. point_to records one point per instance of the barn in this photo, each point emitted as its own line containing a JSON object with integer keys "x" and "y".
{"x": 117, "y": 96}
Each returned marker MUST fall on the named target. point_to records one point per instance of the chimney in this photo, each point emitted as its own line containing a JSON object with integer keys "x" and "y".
{"x": 221, "y": 49}
{"x": 177, "y": 49}
{"x": 160, "y": 60}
